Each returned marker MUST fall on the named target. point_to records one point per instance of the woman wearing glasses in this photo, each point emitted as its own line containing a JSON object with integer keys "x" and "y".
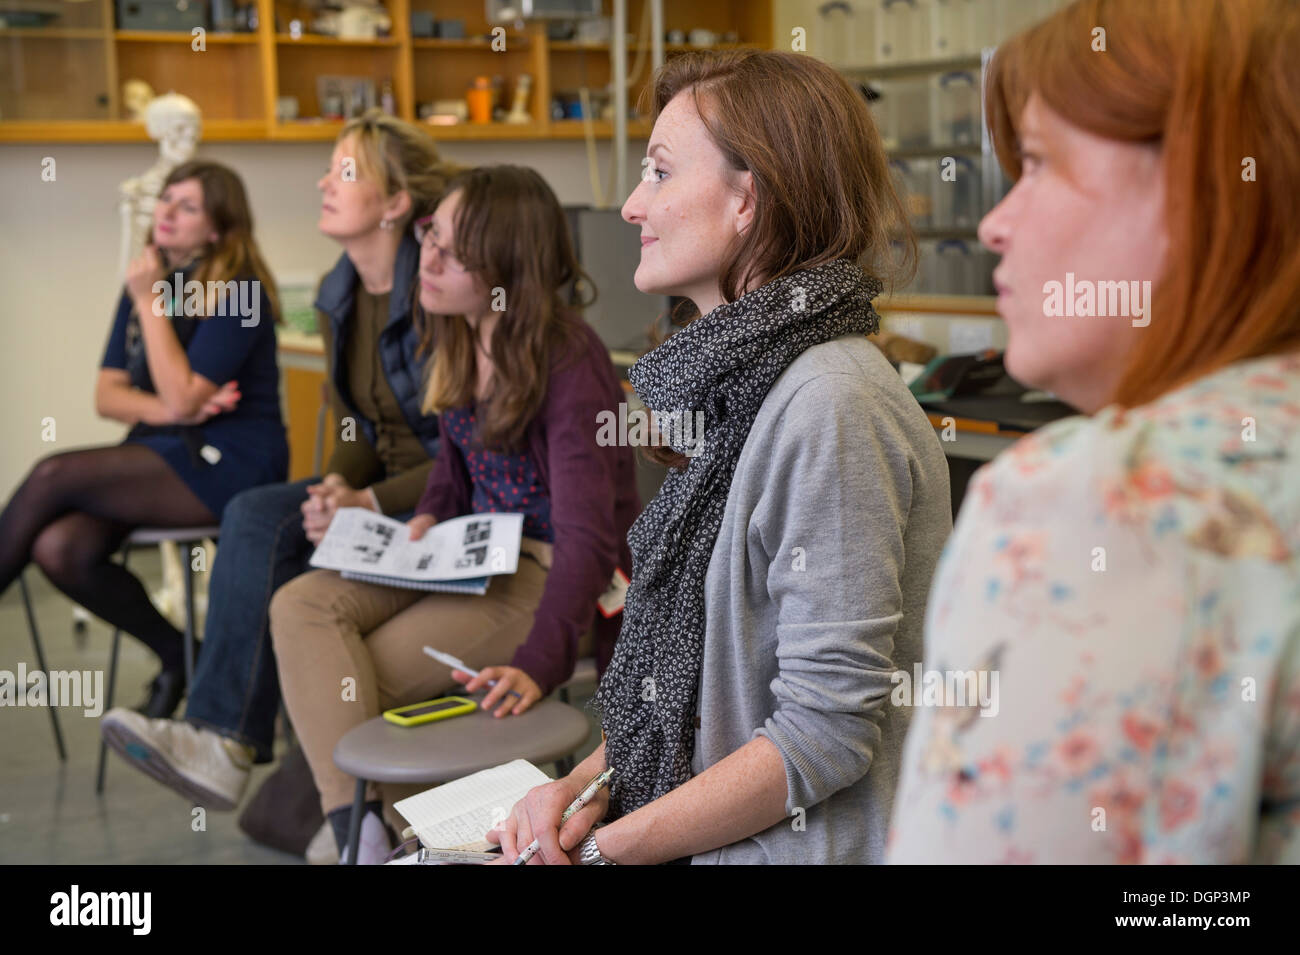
{"x": 520, "y": 383}
{"x": 383, "y": 173}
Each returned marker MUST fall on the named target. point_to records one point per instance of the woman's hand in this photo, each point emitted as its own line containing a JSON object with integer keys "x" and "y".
{"x": 419, "y": 525}
{"x": 323, "y": 500}
{"x": 141, "y": 274}
{"x": 225, "y": 400}
{"x": 537, "y": 816}
{"x": 507, "y": 679}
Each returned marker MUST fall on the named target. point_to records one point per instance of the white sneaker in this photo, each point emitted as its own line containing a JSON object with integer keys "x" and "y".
{"x": 203, "y": 766}
{"x": 375, "y": 847}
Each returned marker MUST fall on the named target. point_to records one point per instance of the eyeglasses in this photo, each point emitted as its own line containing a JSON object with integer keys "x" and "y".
{"x": 423, "y": 230}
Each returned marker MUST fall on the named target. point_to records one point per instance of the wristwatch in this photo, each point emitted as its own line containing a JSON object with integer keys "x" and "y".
{"x": 589, "y": 852}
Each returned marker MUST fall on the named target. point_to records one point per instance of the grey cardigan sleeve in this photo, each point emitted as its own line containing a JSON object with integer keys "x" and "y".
{"x": 833, "y": 521}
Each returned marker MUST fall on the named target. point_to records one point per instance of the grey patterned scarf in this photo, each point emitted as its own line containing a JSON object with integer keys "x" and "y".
{"x": 722, "y": 365}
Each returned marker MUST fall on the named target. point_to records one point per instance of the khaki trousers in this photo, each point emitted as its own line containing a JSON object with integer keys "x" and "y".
{"x": 348, "y": 650}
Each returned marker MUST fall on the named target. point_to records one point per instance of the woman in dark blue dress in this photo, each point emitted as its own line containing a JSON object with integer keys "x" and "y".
{"x": 191, "y": 367}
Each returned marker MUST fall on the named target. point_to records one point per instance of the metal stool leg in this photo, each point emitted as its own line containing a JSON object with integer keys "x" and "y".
{"x": 112, "y": 690}
{"x": 354, "y": 827}
{"x": 189, "y": 622}
{"x": 108, "y": 704}
{"x": 40, "y": 662}
{"x": 565, "y": 763}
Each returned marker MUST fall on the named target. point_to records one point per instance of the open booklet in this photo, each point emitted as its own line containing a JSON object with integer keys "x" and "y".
{"x": 458, "y": 555}
{"x": 451, "y": 820}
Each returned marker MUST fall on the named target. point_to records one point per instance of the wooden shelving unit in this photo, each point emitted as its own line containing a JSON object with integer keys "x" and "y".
{"x": 63, "y": 83}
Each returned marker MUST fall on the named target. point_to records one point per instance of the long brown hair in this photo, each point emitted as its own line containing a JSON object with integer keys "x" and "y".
{"x": 1215, "y": 84}
{"x": 235, "y": 253}
{"x": 821, "y": 176}
{"x": 510, "y": 231}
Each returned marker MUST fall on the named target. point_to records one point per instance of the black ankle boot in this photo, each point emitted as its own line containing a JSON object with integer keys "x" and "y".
{"x": 165, "y": 693}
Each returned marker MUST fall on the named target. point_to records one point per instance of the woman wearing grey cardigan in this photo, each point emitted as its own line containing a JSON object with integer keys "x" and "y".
{"x": 780, "y": 575}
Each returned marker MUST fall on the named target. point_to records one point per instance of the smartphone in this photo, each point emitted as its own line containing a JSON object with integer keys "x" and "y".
{"x": 430, "y": 710}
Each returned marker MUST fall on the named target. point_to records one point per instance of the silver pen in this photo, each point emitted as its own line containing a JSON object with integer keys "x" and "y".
{"x": 586, "y": 796}
{"x": 448, "y": 660}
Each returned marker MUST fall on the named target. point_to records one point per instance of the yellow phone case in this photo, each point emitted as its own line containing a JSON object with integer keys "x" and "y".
{"x": 397, "y": 715}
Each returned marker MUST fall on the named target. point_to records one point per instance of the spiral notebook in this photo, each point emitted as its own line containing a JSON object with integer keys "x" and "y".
{"x": 471, "y": 585}
{"x": 457, "y": 815}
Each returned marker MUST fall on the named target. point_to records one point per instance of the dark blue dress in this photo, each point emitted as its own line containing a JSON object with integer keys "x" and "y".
{"x": 250, "y": 440}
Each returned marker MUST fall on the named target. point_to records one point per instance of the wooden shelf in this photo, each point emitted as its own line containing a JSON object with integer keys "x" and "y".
{"x": 180, "y": 36}
{"x": 328, "y": 130}
{"x": 315, "y": 39}
{"x": 121, "y": 131}
{"x": 485, "y": 131}
{"x": 577, "y": 46}
{"x": 239, "y": 87}
{"x": 307, "y": 130}
{"x": 515, "y": 41}
{"x": 52, "y": 33}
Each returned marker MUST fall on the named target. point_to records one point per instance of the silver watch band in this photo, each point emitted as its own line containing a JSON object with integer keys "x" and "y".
{"x": 589, "y": 852}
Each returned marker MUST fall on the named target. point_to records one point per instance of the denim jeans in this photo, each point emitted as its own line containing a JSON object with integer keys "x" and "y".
{"x": 236, "y": 689}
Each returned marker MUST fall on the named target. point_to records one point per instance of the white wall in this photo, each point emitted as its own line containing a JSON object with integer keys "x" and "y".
{"x": 59, "y": 248}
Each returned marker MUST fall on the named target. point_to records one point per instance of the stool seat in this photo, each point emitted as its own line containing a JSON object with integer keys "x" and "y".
{"x": 144, "y": 536}
{"x": 448, "y": 749}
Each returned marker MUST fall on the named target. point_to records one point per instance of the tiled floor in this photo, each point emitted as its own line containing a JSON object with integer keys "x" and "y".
{"x": 49, "y": 812}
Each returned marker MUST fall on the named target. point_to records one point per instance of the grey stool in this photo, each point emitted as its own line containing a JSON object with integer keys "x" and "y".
{"x": 444, "y": 750}
{"x": 149, "y": 537}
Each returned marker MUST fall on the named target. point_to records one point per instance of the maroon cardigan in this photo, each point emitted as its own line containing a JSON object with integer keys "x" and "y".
{"x": 594, "y": 501}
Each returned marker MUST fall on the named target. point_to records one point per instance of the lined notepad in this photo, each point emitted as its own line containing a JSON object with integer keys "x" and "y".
{"x": 457, "y": 815}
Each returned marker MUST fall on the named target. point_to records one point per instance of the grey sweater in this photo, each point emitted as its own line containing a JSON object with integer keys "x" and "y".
{"x": 816, "y": 593}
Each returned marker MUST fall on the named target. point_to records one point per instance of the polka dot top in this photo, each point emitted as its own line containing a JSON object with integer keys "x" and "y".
{"x": 501, "y": 482}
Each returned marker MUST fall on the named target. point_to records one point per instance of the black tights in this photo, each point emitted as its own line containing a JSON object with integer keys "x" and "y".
{"x": 71, "y": 515}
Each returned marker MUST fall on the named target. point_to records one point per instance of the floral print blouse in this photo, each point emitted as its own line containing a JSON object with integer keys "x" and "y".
{"x": 1129, "y": 584}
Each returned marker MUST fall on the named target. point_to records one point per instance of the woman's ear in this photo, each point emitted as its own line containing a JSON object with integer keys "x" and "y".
{"x": 746, "y": 200}
{"x": 398, "y": 205}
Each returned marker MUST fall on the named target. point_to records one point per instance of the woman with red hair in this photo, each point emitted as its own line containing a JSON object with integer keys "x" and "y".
{"x": 1126, "y": 583}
